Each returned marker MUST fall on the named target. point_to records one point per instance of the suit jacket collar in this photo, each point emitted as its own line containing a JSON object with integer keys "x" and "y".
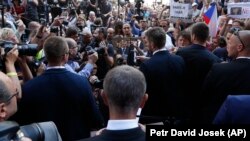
{"x": 59, "y": 70}
{"x": 241, "y": 60}
{"x": 163, "y": 52}
{"x": 197, "y": 46}
{"x": 126, "y": 133}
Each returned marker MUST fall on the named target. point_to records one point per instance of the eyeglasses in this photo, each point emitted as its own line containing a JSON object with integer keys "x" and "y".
{"x": 9, "y": 99}
{"x": 163, "y": 26}
{"x": 236, "y": 33}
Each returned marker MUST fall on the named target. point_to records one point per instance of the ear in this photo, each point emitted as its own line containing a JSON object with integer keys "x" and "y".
{"x": 3, "y": 111}
{"x": 105, "y": 98}
{"x": 143, "y": 101}
{"x": 65, "y": 58}
{"x": 240, "y": 48}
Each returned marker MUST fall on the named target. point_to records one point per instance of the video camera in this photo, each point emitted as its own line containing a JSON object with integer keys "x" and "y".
{"x": 99, "y": 50}
{"x": 42, "y": 131}
{"x": 23, "y": 49}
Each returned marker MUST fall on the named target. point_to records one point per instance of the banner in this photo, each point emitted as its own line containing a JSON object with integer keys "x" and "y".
{"x": 181, "y": 11}
{"x": 239, "y": 10}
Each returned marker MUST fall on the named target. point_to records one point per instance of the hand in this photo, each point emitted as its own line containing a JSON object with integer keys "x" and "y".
{"x": 93, "y": 58}
{"x": 103, "y": 45}
{"x": 142, "y": 58}
{"x": 12, "y": 55}
{"x": 41, "y": 69}
{"x": 93, "y": 79}
{"x": 20, "y": 26}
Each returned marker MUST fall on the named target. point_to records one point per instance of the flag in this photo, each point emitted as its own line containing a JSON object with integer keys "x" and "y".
{"x": 210, "y": 18}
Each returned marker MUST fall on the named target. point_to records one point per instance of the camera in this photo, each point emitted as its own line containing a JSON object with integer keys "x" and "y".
{"x": 41, "y": 131}
{"x": 10, "y": 130}
{"x": 54, "y": 29}
{"x": 90, "y": 50}
{"x": 23, "y": 49}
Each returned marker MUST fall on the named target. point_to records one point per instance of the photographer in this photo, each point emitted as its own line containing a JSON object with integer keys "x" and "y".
{"x": 105, "y": 52}
{"x": 10, "y": 58}
{"x": 73, "y": 66}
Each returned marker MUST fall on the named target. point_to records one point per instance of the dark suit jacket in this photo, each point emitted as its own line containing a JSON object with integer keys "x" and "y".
{"x": 198, "y": 63}
{"x": 129, "y": 52}
{"x": 62, "y": 97}
{"x": 135, "y": 134}
{"x": 234, "y": 110}
{"x": 224, "y": 79}
{"x": 163, "y": 73}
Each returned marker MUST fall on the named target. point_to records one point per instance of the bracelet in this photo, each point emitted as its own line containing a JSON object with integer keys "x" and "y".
{"x": 11, "y": 74}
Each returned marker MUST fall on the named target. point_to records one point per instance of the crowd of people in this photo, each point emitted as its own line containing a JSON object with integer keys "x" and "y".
{"x": 92, "y": 65}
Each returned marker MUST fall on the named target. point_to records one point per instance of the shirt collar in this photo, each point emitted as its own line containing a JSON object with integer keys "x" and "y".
{"x": 243, "y": 57}
{"x": 122, "y": 124}
{"x": 162, "y": 49}
{"x": 55, "y": 67}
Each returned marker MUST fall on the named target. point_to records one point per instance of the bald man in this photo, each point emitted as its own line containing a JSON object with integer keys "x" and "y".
{"x": 228, "y": 78}
{"x": 8, "y": 97}
{"x": 73, "y": 66}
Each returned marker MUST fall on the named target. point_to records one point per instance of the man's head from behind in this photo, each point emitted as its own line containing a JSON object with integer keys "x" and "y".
{"x": 199, "y": 33}
{"x": 8, "y": 93}
{"x": 155, "y": 38}
{"x": 124, "y": 91}
{"x": 56, "y": 51}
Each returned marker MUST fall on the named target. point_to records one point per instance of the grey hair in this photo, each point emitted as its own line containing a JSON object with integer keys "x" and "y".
{"x": 157, "y": 36}
{"x": 125, "y": 87}
{"x": 71, "y": 42}
{"x": 4, "y": 92}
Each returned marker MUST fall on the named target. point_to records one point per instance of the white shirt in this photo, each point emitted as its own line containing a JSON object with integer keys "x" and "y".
{"x": 168, "y": 45}
{"x": 122, "y": 124}
{"x": 163, "y": 49}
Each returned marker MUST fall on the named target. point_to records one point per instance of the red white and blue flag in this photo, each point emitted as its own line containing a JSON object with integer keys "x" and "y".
{"x": 210, "y": 18}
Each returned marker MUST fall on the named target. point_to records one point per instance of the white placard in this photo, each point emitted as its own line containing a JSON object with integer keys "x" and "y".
{"x": 239, "y": 10}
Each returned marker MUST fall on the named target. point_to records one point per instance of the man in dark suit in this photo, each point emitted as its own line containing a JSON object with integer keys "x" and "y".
{"x": 59, "y": 96}
{"x": 124, "y": 93}
{"x": 234, "y": 110}
{"x": 198, "y": 62}
{"x": 163, "y": 73}
{"x": 228, "y": 78}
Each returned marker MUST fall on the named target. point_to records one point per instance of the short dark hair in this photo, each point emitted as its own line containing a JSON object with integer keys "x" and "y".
{"x": 125, "y": 87}
{"x": 71, "y": 31}
{"x": 55, "y": 47}
{"x": 157, "y": 36}
{"x": 201, "y": 31}
{"x": 185, "y": 35}
{"x": 103, "y": 30}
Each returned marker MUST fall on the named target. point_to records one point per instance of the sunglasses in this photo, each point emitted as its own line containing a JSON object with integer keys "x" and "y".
{"x": 236, "y": 33}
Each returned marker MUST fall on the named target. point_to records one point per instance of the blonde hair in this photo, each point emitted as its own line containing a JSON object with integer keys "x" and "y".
{"x": 6, "y": 33}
